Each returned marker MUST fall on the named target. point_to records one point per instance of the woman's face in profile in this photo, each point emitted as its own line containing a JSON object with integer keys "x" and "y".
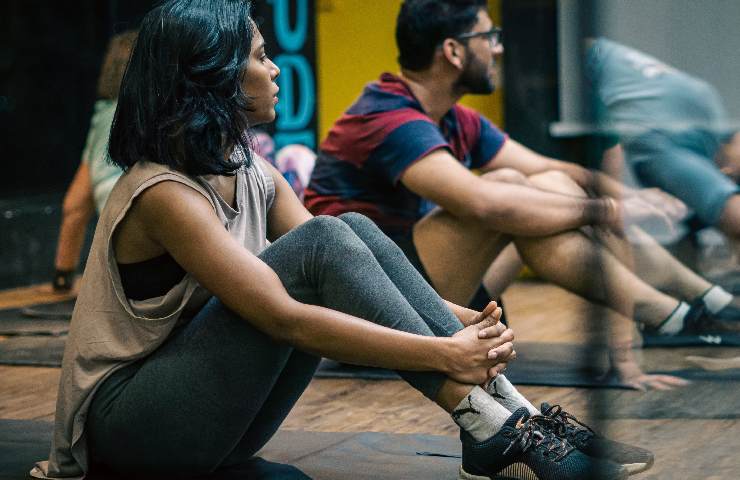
{"x": 259, "y": 82}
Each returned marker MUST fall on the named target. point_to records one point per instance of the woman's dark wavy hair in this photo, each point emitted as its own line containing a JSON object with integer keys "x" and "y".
{"x": 422, "y": 25}
{"x": 181, "y": 102}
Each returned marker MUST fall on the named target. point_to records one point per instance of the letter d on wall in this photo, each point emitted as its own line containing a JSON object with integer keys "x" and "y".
{"x": 290, "y": 39}
{"x": 295, "y": 114}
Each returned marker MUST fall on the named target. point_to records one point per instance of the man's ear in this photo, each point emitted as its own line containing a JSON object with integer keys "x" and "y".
{"x": 454, "y": 52}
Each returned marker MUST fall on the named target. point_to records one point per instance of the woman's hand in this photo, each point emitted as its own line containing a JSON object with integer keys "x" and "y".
{"x": 482, "y": 350}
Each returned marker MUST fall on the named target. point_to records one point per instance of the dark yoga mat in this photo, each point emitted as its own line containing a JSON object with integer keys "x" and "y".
{"x": 708, "y": 340}
{"x": 37, "y": 350}
{"x": 53, "y": 311}
{"x": 42, "y": 319}
{"x": 700, "y": 400}
{"x": 321, "y": 455}
{"x": 561, "y": 365}
{"x": 546, "y": 364}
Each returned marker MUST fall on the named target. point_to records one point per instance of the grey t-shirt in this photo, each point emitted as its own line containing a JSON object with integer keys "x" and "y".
{"x": 635, "y": 92}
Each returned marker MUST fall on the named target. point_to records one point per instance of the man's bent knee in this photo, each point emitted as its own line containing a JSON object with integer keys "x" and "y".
{"x": 556, "y": 181}
{"x": 506, "y": 175}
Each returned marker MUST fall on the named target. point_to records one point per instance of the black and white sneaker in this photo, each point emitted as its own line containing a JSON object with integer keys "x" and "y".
{"x": 700, "y": 321}
{"x": 528, "y": 448}
{"x": 730, "y": 313}
{"x": 581, "y": 436}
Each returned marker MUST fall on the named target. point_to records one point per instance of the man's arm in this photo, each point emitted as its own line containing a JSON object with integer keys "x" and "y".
{"x": 637, "y": 204}
{"x": 518, "y": 157}
{"x": 504, "y": 207}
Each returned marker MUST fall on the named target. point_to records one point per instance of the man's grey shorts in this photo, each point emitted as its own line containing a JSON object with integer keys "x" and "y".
{"x": 682, "y": 164}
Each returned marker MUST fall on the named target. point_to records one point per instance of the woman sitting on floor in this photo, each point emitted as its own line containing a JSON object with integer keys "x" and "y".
{"x": 192, "y": 338}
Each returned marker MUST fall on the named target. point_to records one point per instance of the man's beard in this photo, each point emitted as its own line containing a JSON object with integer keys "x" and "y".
{"x": 474, "y": 78}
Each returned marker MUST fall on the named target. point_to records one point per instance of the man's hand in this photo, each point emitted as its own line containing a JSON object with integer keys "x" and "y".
{"x": 636, "y": 210}
{"x": 670, "y": 205}
{"x": 625, "y": 368}
{"x": 631, "y": 374}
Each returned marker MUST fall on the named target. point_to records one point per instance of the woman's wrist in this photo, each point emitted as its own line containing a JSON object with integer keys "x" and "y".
{"x": 464, "y": 314}
{"x": 445, "y": 353}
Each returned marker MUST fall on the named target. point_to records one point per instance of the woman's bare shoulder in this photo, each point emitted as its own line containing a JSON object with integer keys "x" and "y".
{"x": 136, "y": 235}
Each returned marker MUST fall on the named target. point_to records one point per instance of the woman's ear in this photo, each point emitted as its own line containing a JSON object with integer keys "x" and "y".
{"x": 454, "y": 52}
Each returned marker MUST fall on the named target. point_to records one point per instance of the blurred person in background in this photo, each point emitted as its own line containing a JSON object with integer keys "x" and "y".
{"x": 668, "y": 130}
{"x": 95, "y": 176}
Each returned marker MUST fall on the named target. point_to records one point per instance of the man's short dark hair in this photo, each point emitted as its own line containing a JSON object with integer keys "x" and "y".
{"x": 422, "y": 25}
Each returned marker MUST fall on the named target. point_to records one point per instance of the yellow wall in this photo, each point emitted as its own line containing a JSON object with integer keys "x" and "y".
{"x": 356, "y": 43}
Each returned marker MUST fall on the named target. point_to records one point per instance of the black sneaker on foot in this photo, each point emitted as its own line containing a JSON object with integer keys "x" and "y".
{"x": 527, "y": 448}
{"x": 730, "y": 313}
{"x": 580, "y": 435}
{"x": 700, "y": 321}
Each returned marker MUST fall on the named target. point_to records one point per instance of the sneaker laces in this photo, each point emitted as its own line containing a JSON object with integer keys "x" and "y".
{"x": 567, "y": 425}
{"x": 538, "y": 433}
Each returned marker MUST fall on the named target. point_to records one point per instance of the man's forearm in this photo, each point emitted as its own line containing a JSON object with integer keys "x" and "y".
{"x": 593, "y": 181}
{"x": 525, "y": 211}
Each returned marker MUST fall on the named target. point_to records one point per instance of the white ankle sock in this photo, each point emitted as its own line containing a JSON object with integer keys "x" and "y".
{"x": 479, "y": 415}
{"x": 507, "y": 395}
{"x": 675, "y": 321}
{"x": 716, "y": 298}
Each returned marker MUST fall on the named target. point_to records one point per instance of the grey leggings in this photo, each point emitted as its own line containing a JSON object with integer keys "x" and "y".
{"x": 218, "y": 389}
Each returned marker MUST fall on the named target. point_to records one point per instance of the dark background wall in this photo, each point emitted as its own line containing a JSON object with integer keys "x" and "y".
{"x": 532, "y": 82}
{"x": 50, "y": 54}
{"x": 531, "y": 72}
{"x": 50, "y": 57}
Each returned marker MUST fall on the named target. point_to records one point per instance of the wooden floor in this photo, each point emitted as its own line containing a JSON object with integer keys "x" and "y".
{"x": 684, "y": 448}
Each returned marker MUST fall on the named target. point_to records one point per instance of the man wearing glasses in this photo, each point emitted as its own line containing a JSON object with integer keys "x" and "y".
{"x": 406, "y": 146}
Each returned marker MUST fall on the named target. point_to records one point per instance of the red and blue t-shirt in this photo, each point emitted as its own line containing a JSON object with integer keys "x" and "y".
{"x": 360, "y": 163}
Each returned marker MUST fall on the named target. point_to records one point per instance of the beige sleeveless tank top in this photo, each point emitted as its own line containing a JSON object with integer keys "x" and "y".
{"x": 108, "y": 331}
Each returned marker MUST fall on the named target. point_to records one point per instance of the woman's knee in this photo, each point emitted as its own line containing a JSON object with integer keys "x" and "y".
{"x": 354, "y": 218}
{"x": 359, "y": 222}
{"x": 325, "y": 224}
{"x": 333, "y": 232}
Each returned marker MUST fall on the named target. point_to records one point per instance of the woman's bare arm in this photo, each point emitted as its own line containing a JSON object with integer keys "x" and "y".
{"x": 287, "y": 211}
{"x": 183, "y": 222}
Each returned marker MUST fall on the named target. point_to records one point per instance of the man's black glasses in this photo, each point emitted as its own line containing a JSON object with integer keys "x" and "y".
{"x": 494, "y": 36}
